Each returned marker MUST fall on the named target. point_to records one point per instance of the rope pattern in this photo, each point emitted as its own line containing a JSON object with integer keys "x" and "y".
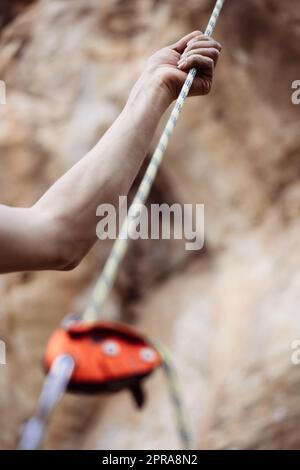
{"x": 110, "y": 270}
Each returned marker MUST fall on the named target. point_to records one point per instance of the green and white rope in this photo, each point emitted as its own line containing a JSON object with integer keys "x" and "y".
{"x": 175, "y": 395}
{"x": 111, "y": 267}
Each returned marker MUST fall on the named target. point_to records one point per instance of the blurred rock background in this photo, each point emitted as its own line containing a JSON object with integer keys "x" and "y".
{"x": 228, "y": 313}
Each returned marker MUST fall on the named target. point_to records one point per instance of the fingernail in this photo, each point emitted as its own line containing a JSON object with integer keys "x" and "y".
{"x": 182, "y": 63}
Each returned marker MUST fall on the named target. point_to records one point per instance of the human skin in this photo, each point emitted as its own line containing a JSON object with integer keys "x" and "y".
{"x": 60, "y": 228}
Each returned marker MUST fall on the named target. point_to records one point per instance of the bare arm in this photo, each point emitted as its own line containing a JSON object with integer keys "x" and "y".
{"x": 60, "y": 228}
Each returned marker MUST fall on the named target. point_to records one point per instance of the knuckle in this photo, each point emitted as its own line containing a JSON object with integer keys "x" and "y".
{"x": 191, "y": 50}
{"x": 197, "y": 36}
{"x": 215, "y": 53}
{"x": 191, "y": 43}
{"x": 194, "y": 35}
{"x": 217, "y": 45}
{"x": 211, "y": 43}
{"x": 209, "y": 61}
{"x": 198, "y": 44}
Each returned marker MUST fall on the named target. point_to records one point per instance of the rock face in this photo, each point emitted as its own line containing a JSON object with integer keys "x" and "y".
{"x": 228, "y": 313}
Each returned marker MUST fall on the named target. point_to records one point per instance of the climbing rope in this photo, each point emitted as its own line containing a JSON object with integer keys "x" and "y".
{"x": 175, "y": 396}
{"x": 54, "y": 387}
{"x": 111, "y": 267}
{"x": 63, "y": 367}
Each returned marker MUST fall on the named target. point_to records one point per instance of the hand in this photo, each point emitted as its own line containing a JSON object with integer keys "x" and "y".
{"x": 170, "y": 65}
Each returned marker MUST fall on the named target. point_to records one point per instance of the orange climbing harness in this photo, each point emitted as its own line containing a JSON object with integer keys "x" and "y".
{"x": 87, "y": 356}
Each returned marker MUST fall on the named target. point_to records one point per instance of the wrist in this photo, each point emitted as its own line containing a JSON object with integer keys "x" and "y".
{"x": 152, "y": 91}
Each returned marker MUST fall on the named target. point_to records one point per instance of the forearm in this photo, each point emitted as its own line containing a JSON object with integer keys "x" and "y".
{"x": 107, "y": 171}
{"x": 60, "y": 228}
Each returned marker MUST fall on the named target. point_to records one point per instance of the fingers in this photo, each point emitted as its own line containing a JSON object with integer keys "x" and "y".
{"x": 197, "y": 61}
{"x": 211, "y": 53}
{"x": 180, "y": 45}
{"x": 200, "y": 41}
{"x": 201, "y": 51}
{"x": 201, "y": 86}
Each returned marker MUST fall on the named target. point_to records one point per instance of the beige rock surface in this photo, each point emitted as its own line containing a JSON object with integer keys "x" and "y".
{"x": 228, "y": 313}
